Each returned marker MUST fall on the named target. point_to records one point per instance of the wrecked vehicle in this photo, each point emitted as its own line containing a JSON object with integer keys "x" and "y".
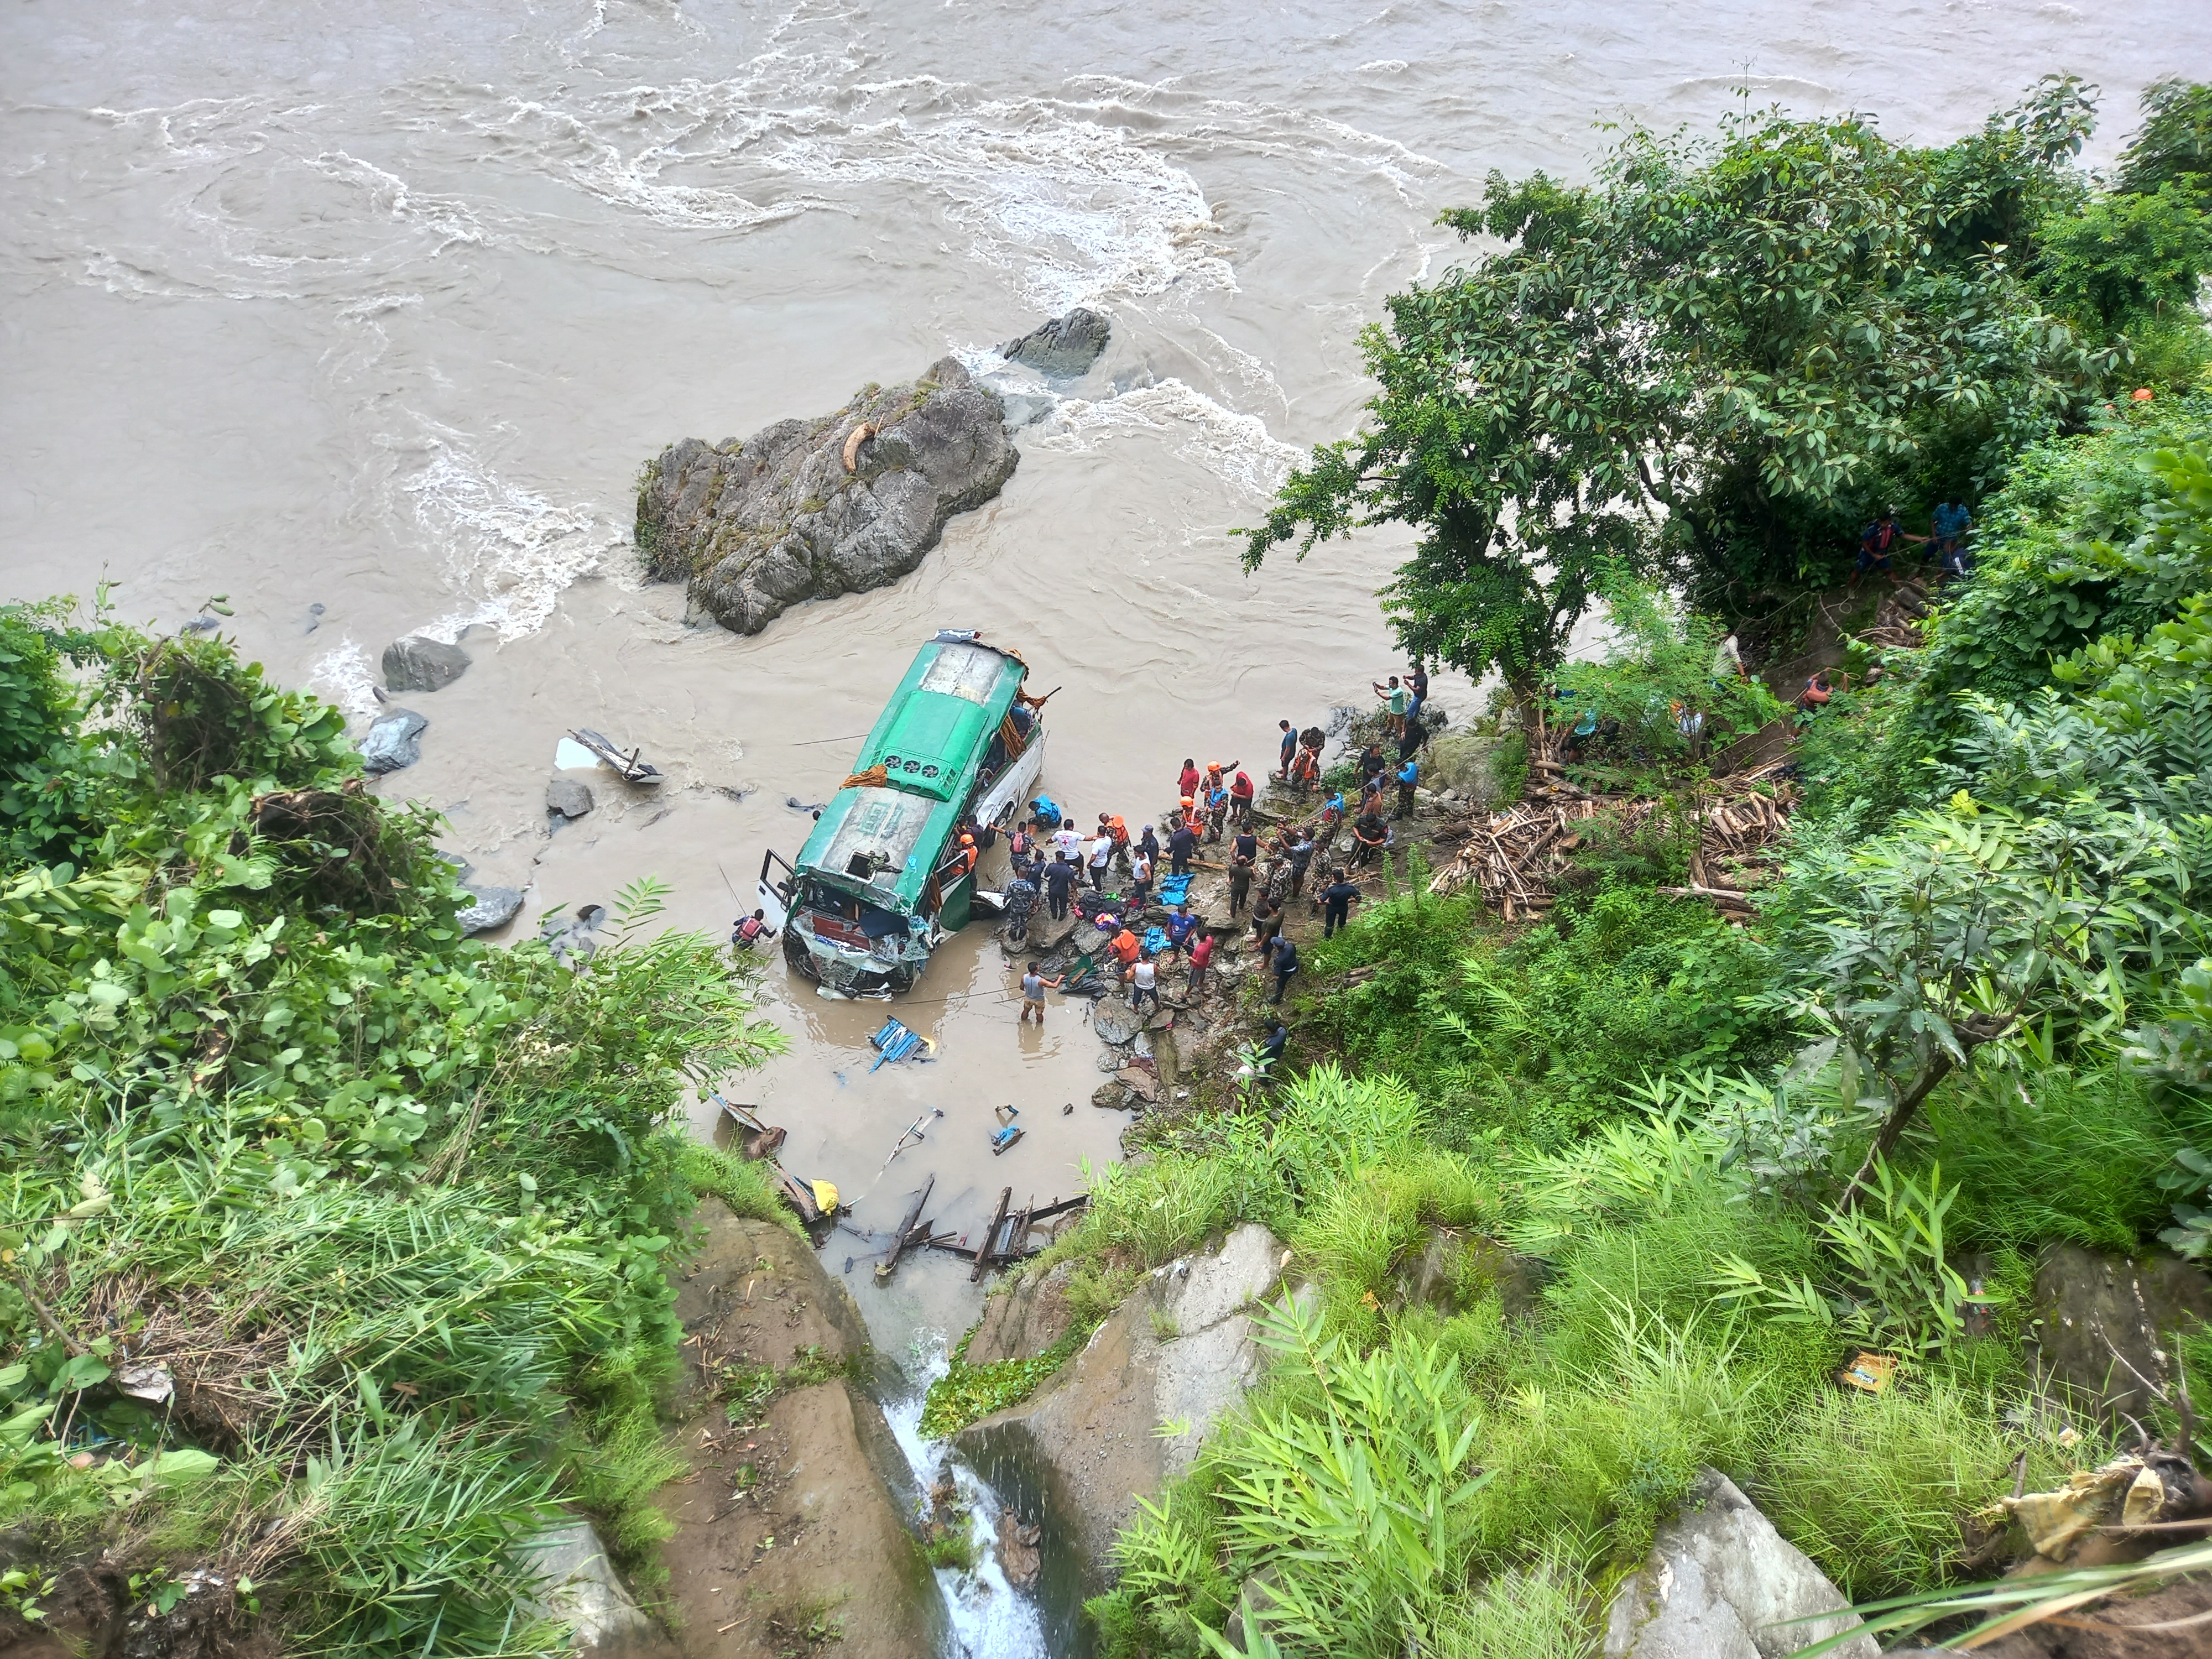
{"x": 883, "y": 878}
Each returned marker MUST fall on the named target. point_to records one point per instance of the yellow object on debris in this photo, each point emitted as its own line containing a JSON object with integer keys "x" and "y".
{"x": 825, "y": 1196}
{"x": 1870, "y": 1373}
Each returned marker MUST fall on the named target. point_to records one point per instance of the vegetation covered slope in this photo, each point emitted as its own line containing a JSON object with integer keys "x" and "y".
{"x": 330, "y": 1243}
{"x": 1973, "y": 1019}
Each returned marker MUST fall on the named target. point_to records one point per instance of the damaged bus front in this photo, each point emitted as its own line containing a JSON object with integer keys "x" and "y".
{"x": 883, "y": 880}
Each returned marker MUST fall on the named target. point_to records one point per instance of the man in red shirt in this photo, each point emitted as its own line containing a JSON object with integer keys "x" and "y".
{"x": 1202, "y": 958}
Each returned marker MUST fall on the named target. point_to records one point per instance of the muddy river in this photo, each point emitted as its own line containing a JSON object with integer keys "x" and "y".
{"x": 367, "y": 318}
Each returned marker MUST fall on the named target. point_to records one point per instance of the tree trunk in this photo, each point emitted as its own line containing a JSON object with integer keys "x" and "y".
{"x": 1893, "y": 1127}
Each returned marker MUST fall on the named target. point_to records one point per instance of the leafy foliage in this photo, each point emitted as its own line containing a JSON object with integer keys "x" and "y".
{"x": 1705, "y": 362}
{"x": 403, "y": 1199}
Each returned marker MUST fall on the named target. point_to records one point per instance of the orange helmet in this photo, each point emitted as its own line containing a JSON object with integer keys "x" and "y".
{"x": 1188, "y": 801}
{"x": 967, "y": 841}
{"x": 1213, "y": 766}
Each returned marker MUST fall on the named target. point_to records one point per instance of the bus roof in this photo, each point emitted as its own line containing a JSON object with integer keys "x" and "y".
{"x": 935, "y": 728}
{"x": 880, "y": 842}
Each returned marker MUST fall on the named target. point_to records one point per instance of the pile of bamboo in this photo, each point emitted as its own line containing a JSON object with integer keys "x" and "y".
{"x": 1520, "y": 857}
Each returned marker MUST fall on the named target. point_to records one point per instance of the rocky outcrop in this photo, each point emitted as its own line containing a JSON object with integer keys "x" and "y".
{"x": 1023, "y": 1321}
{"x": 392, "y": 742}
{"x": 2105, "y": 1325}
{"x": 791, "y": 1527}
{"x": 811, "y": 509}
{"x": 1064, "y": 347}
{"x": 1179, "y": 1351}
{"x": 416, "y": 664}
{"x": 1721, "y": 1583}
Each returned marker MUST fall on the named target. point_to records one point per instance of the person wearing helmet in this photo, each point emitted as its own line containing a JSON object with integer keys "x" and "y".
{"x": 965, "y": 858}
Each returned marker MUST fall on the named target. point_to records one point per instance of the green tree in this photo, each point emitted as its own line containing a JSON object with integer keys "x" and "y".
{"x": 1709, "y": 363}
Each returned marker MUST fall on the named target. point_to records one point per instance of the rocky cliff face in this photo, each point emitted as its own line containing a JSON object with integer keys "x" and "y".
{"x": 811, "y": 509}
{"x": 1180, "y": 1351}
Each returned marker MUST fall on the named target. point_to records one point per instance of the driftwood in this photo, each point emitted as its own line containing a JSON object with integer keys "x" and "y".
{"x": 1519, "y": 857}
{"x": 990, "y": 1233}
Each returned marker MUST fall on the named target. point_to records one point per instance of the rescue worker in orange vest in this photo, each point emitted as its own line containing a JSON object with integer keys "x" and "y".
{"x": 1124, "y": 949}
{"x": 1118, "y": 828}
{"x": 965, "y": 860}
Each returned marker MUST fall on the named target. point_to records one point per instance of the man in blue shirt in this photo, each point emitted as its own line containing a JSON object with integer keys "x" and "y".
{"x": 1286, "y": 964}
{"x": 1181, "y": 926}
{"x": 1950, "y": 523}
{"x": 1336, "y": 904}
{"x": 1409, "y": 775}
{"x": 1289, "y": 748}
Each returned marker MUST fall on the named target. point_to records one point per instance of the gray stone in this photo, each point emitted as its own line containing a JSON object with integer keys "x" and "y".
{"x": 567, "y": 797}
{"x": 1180, "y": 1350}
{"x": 416, "y": 664}
{"x": 1064, "y": 347}
{"x": 493, "y": 907}
{"x": 1114, "y": 1096}
{"x": 2086, "y": 1304}
{"x": 1464, "y": 763}
{"x": 1721, "y": 1583}
{"x": 1025, "y": 407}
{"x": 579, "y": 1587}
{"x": 391, "y": 743}
{"x": 758, "y": 526}
{"x": 1114, "y": 1020}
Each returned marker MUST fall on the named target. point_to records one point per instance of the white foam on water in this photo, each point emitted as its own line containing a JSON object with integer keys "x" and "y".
{"x": 346, "y": 676}
{"x": 509, "y": 550}
{"x": 990, "y": 1619}
{"x": 1237, "y": 449}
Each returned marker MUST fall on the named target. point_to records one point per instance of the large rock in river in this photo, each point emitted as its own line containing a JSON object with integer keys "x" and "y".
{"x": 811, "y": 509}
{"x": 1180, "y": 1351}
{"x": 1064, "y": 347}
{"x": 794, "y": 1521}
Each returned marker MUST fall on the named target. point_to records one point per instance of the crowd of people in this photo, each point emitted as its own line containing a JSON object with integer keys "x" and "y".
{"x": 1110, "y": 878}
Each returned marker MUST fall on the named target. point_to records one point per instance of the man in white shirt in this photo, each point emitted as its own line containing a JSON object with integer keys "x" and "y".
{"x": 1101, "y": 861}
{"x": 1069, "y": 840}
{"x": 1144, "y": 982}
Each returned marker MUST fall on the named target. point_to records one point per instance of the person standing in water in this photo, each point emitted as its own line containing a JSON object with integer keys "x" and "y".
{"x": 1034, "y": 985}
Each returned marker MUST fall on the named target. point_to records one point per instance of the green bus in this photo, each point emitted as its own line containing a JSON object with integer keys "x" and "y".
{"x": 883, "y": 880}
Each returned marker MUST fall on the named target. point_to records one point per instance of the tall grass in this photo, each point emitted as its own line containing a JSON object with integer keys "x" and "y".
{"x": 1873, "y": 1488}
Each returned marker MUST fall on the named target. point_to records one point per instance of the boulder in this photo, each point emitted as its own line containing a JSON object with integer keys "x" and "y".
{"x": 1721, "y": 1583}
{"x": 416, "y": 664}
{"x": 1461, "y": 762}
{"x": 1114, "y": 1096}
{"x": 567, "y": 797}
{"x": 1180, "y": 1350}
{"x": 1115, "y": 1021}
{"x": 580, "y": 1587}
{"x": 1064, "y": 347}
{"x": 1456, "y": 1267}
{"x": 758, "y": 526}
{"x": 796, "y": 1523}
{"x": 1023, "y": 1321}
{"x": 493, "y": 907}
{"x": 2085, "y": 1305}
{"x": 391, "y": 741}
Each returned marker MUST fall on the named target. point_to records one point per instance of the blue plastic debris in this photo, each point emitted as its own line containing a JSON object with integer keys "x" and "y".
{"x": 895, "y": 1042}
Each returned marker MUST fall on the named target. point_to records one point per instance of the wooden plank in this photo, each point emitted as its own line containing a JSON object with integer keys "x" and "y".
{"x": 903, "y": 1239}
{"x": 990, "y": 1233}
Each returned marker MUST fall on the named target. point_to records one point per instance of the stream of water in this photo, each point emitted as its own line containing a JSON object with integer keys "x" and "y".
{"x": 367, "y": 317}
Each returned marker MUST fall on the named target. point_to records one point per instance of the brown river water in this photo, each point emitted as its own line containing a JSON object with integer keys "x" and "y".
{"x": 379, "y": 309}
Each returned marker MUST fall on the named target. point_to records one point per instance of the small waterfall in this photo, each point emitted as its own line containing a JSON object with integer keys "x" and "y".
{"x": 989, "y": 1618}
